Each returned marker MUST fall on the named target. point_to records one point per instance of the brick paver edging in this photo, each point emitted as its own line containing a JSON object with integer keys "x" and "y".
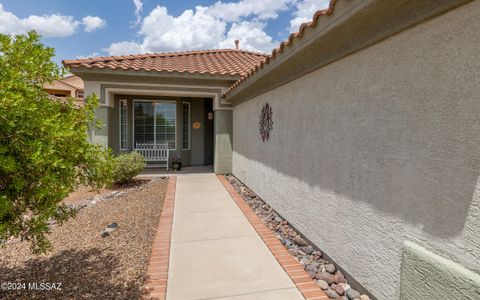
{"x": 157, "y": 272}
{"x": 309, "y": 289}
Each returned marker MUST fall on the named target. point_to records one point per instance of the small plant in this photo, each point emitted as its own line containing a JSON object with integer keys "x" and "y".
{"x": 127, "y": 166}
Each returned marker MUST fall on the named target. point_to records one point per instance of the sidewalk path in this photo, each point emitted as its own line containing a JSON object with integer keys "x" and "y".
{"x": 215, "y": 251}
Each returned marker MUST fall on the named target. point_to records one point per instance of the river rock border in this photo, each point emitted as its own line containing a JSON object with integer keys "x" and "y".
{"x": 327, "y": 276}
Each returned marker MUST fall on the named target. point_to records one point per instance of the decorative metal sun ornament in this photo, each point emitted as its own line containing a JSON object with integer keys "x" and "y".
{"x": 266, "y": 123}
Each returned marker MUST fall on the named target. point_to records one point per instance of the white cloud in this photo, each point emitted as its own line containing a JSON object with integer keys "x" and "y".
{"x": 138, "y": 9}
{"x": 122, "y": 48}
{"x": 93, "y": 54}
{"x": 251, "y": 36}
{"x": 305, "y": 10}
{"x": 93, "y": 23}
{"x": 234, "y": 11}
{"x": 47, "y": 25}
{"x": 190, "y": 30}
{"x": 216, "y": 26}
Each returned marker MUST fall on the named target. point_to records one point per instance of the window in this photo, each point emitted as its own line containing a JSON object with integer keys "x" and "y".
{"x": 155, "y": 123}
{"x": 123, "y": 125}
{"x": 186, "y": 125}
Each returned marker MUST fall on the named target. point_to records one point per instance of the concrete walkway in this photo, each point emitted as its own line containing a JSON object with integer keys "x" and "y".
{"x": 215, "y": 252}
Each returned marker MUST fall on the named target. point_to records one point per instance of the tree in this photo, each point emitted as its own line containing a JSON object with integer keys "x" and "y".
{"x": 44, "y": 148}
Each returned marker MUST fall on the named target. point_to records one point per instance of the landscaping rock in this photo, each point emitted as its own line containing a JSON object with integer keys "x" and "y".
{"x": 353, "y": 294}
{"x": 307, "y": 249}
{"x": 337, "y": 278}
{"x": 332, "y": 294}
{"x": 323, "y": 284}
{"x": 313, "y": 266}
{"x": 299, "y": 241}
{"x": 364, "y": 297}
{"x": 113, "y": 225}
{"x": 341, "y": 288}
{"x": 301, "y": 253}
{"x": 330, "y": 268}
{"x": 325, "y": 277}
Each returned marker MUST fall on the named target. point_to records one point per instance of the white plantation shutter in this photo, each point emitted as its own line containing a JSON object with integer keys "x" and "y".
{"x": 123, "y": 125}
{"x": 155, "y": 123}
{"x": 186, "y": 125}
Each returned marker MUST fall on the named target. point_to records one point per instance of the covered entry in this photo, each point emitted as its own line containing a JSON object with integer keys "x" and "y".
{"x": 164, "y": 128}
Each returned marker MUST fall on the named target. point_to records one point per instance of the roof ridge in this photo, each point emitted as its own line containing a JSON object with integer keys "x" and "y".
{"x": 281, "y": 48}
{"x": 160, "y": 54}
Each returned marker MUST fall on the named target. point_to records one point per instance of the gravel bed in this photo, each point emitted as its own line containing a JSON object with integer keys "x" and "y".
{"x": 326, "y": 274}
{"x": 87, "y": 265}
{"x": 84, "y": 193}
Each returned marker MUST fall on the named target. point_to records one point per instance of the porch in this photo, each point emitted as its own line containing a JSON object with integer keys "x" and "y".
{"x": 162, "y": 172}
{"x": 180, "y": 128}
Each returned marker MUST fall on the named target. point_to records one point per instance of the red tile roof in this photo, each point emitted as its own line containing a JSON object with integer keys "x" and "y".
{"x": 278, "y": 51}
{"x": 215, "y": 62}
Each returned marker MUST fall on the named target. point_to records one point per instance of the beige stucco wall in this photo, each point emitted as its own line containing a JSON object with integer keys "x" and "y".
{"x": 376, "y": 149}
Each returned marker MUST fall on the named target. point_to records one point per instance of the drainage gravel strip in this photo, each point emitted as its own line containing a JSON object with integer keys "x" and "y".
{"x": 327, "y": 276}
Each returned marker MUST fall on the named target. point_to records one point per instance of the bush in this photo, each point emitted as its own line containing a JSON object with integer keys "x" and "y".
{"x": 127, "y": 166}
{"x": 44, "y": 148}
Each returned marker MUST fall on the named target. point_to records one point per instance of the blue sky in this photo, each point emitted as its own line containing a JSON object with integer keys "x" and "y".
{"x": 113, "y": 27}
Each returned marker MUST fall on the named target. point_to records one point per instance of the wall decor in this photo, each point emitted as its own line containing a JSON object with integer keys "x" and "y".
{"x": 266, "y": 122}
{"x": 196, "y": 125}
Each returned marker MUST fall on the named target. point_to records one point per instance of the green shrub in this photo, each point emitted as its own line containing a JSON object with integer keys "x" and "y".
{"x": 127, "y": 166}
{"x": 44, "y": 148}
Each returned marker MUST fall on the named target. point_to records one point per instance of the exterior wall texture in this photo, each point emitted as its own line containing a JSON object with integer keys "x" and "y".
{"x": 378, "y": 148}
{"x": 223, "y": 142}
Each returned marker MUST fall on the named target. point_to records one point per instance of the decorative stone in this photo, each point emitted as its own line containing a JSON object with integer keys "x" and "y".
{"x": 353, "y": 294}
{"x": 312, "y": 274}
{"x": 322, "y": 284}
{"x": 292, "y": 252}
{"x": 313, "y": 266}
{"x": 337, "y": 278}
{"x": 113, "y": 225}
{"x": 299, "y": 241}
{"x": 364, "y": 297}
{"x": 326, "y": 277}
{"x": 330, "y": 268}
{"x": 332, "y": 294}
{"x": 307, "y": 249}
{"x": 339, "y": 289}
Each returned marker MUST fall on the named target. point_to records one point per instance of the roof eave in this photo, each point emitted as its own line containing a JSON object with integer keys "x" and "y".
{"x": 82, "y": 71}
{"x": 336, "y": 35}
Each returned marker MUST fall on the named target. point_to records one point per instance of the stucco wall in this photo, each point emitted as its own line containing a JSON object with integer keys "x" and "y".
{"x": 377, "y": 148}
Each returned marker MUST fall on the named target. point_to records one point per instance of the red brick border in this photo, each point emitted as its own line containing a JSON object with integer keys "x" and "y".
{"x": 309, "y": 289}
{"x": 157, "y": 272}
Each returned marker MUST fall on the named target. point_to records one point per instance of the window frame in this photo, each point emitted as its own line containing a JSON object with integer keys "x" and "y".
{"x": 120, "y": 124}
{"x": 154, "y": 119}
{"x": 188, "y": 125}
